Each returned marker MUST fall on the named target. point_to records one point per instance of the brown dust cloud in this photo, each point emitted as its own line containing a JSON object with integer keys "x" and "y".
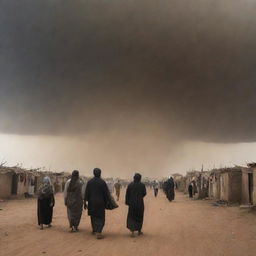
{"x": 150, "y": 86}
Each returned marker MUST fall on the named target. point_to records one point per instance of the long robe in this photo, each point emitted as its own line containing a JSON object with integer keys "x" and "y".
{"x": 190, "y": 190}
{"x": 170, "y": 194}
{"x": 45, "y": 209}
{"x": 134, "y": 199}
{"x": 74, "y": 203}
{"x": 97, "y": 195}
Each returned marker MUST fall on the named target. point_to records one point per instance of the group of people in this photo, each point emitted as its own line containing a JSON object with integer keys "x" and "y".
{"x": 168, "y": 186}
{"x": 96, "y": 198}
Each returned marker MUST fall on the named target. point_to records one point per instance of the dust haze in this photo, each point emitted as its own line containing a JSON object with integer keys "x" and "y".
{"x": 126, "y": 84}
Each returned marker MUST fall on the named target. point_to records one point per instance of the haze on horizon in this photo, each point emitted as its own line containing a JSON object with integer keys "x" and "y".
{"x": 127, "y": 85}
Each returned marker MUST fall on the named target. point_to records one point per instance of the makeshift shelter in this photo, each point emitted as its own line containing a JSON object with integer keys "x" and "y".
{"x": 214, "y": 184}
{"x": 203, "y": 184}
{"x": 191, "y": 177}
{"x": 15, "y": 181}
{"x": 234, "y": 185}
{"x": 6, "y": 180}
{"x": 200, "y": 181}
{"x": 231, "y": 184}
{"x": 249, "y": 184}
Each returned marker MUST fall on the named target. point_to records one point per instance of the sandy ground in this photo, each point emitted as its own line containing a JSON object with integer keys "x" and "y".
{"x": 183, "y": 227}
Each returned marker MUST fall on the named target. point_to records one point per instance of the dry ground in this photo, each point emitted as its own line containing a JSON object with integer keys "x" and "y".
{"x": 183, "y": 227}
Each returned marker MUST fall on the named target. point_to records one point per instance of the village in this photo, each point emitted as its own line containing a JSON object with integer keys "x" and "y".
{"x": 178, "y": 226}
{"x": 231, "y": 185}
{"x": 127, "y": 129}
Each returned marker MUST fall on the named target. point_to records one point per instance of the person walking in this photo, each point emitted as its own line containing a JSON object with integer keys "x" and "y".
{"x": 73, "y": 197}
{"x": 118, "y": 187}
{"x": 135, "y": 193}
{"x": 98, "y": 196}
{"x": 170, "y": 194}
{"x": 190, "y": 190}
{"x": 45, "y": 203}
{"x": 156, "y": 187}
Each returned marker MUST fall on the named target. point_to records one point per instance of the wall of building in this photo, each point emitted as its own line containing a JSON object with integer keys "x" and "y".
{"x": 22, "y": 188}
{"x": 235, "y": 186}
{"x": 254, "y": 186}
{"x": 5, "y": 185}
{"x": 210, "y": 191}
{"x": 216, "y": 186}
{"x": 245, "y": 189}
{"x": 224, "y": 186}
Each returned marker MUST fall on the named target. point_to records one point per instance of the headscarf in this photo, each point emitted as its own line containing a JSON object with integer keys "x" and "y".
{"x": 171, "y": 178}
{"x": 73, "y": 183}
{"x": 45, "y": 189}
{"x": 97, "y": 172}
{"x": 46, "y": 179}
{"x": 137, "y": 177}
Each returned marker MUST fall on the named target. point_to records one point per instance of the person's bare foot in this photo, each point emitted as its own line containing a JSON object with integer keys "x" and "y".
{"x": 140, "y": 233}
{"x": 50, "y": 225}
{"x": 41, "y": 227}
{"x": 132, "y": 234}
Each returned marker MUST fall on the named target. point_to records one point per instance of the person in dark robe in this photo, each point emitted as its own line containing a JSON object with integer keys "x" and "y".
{"x": 190, "y": 190}
{"x": 165, "y": 187}
{"x": 98, "y": 196}
{"x": 73, "y": 198}
{"x": 170, "y": 194}
{"x": 45, "y": 203}
{"x": 135, "y": 193}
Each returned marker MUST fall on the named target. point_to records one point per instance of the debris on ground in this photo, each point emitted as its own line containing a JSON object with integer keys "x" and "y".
{"x": 224, "y": 203}
{"x": 220, "y": 203}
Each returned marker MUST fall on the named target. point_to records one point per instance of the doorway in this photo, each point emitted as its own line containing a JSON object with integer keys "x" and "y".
{"x": 36, "y": 184}
{"x": 250, "y": 187}
{"x": 14, "y": 184}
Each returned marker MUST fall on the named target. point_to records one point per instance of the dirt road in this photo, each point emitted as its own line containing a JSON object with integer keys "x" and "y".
{"x": 181, "y": 228}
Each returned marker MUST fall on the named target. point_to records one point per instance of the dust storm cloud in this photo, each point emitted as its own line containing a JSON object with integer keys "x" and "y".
{"x": 132, "y": 78}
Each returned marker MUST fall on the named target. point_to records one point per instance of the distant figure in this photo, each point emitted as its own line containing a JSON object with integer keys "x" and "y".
{"x": 169, "y": 187}
{"x": 156, "y": 187}
{"x": 97, "y": 195}
{"x": 118, "y": 187}
{"x": 73, "y": 198}
{"x": 110, "y": 184}
{"x": 45, "y": 203}
{"x": 190, "y": 190}
{"x": 134, "y": 199}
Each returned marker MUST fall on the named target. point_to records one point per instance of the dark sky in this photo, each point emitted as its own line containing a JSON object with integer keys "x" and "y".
{"x": 183, "y": 66}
